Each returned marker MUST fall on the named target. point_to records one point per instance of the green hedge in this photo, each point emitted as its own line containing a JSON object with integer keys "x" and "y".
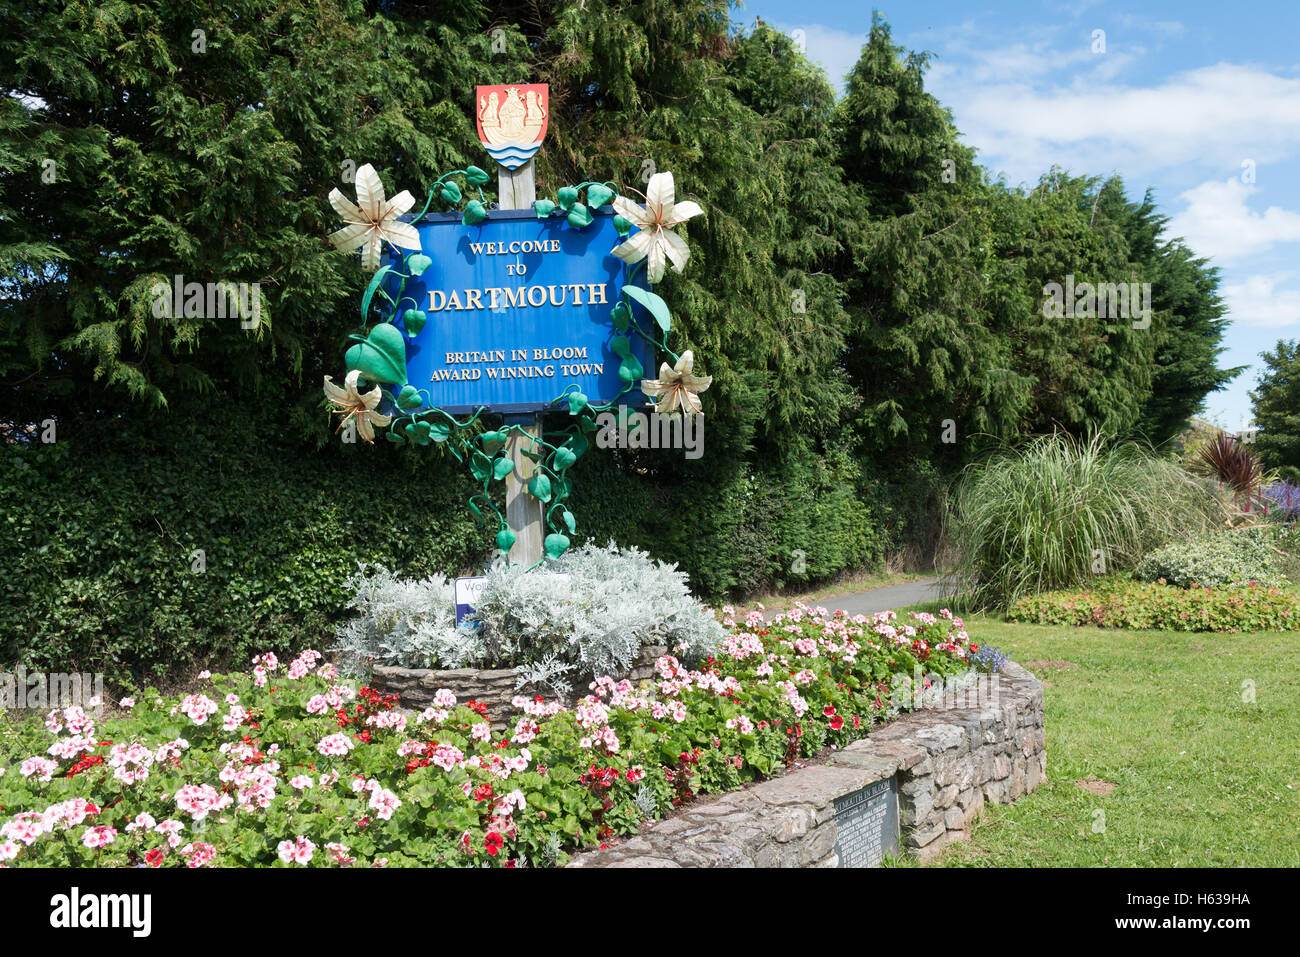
{"x": 101, "y": 532}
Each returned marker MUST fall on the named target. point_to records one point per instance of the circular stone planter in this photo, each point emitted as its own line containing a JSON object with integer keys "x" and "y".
{"x": 495, "y": 688}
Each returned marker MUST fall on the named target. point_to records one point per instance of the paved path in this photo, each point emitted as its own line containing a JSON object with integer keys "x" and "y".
{"x": 883, "y": 599}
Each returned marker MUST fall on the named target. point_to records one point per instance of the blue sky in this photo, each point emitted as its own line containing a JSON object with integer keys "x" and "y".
{"x": 1183, "y": 95}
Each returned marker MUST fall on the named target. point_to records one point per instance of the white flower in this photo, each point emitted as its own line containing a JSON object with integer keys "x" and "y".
{"x": 677, "y": 386}
{"x": 351, "y": 403}
{"x": 654, "y": 239}
{"x": 372, "y": 220}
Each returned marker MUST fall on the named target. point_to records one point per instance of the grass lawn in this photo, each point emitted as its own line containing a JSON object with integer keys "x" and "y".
{"x": 1201, "y": 777}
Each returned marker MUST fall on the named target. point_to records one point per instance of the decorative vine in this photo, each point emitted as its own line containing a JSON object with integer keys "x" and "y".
{"x": 378, "y": 355}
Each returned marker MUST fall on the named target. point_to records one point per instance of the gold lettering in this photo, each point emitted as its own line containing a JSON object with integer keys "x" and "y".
{"x": 435, "y": 304}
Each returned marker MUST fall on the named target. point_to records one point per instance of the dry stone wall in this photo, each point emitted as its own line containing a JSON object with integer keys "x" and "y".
{"x": 495, "y": 688}
{"x": 947, "y": 763}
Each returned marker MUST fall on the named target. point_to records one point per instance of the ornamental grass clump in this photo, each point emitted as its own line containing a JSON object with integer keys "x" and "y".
{"x": 1060, "y": 511}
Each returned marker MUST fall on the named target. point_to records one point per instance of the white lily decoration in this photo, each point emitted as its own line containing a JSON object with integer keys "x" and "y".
{"x": 677, "y": 386}
{"x": 351, "y": 403}
{"x": 372, "y": 220}
{"x": 654, "y": 239}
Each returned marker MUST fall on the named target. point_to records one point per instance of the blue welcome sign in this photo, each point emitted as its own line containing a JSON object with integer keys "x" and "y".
{"x": 517, "y": 310}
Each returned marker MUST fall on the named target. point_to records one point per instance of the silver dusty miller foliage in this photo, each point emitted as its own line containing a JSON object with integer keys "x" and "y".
{"x": 587, "y": 613}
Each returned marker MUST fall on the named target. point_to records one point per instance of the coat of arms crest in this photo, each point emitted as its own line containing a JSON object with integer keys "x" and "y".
{"x": 511, "y": 121}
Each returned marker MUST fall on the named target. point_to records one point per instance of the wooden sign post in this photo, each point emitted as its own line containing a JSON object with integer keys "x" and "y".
{"x": 512, "y": 122}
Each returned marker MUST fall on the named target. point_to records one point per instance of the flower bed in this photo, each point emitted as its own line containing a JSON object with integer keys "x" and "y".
{"x": 1117, "y": 603}
{"x": 289, "y": 765}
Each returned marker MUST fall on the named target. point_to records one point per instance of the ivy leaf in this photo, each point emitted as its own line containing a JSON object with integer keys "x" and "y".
{"x": 440, "y": 431}
{"x": 475, "y": 175}
{"x": 622, "y": 226}
{"x": 475, "y": 213}
{"x": 505, "y": 540}
{"x": 630, "y": 369}
{"x": 539, "y": 486}
{"x": 555, "y": 545}
{"x": 622, "y": 316}
{"x": 653, "y": 304}
{"x": 577, "y": 402}
{"x": 562, "y": 459}
{"x": 502, "y": 467}
{"x": 417, "y": 263}
{"x": 567, "y": 195}
{"x": 544, "y": 208}
{"x": 409, "y": 398}
{"x": 579, "y": 216}
{"x": 492, "y": 442}
{"x": 450, "y": 193}
{"x": 569, "y": 522}
{"x": 599, "y": 195}
{"x": 414, "y": 320}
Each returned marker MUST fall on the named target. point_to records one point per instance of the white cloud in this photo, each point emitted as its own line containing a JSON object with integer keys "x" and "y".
{"x": 1216, "y": 115}
{"x": 1217, "y": 222}
{"x": 1257, "y": 301}
{"x": 835, "y": 51}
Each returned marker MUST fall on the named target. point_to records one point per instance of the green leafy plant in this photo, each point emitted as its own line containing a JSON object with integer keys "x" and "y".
{"x": 1116, "y": 602}
{"x": 1235, "y": 557}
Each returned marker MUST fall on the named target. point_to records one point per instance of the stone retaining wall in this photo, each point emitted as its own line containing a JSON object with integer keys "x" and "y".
{"x": 417, "y": 686}
{"x": 948, "y": 763}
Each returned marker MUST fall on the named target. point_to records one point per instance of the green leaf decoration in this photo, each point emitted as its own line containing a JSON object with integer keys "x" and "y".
{"x": 653, "y": 304}
{"x": 414, "y": 320}
{"x": 393, "y": 437}
{"x": 539, "y": 486}
{"x": 480, "y": 466}
{"x": 570, "y": 522}
{"x": 475, "y": 213}
{"x": 417, "y": 263}
{"x": 630, "y": 370}
{"x": 501, "y": 468}
{"x": 579, "y": 445}
{"x": 544, "y": 208}
{"x": 450, "y": 193}
{"x": 562, "y": 459}
{"x": 560, "y": 488}
{"x": 621, "y": 346}
{"x": 579, "y": 216}
{"x": 505, "y": 540}
{"x": 478, "y": 512}
{"x": 555, "y": 545}
{"x": 599, "y": 195}
{"x": 622, "y": 316}
{"x": 622, "y": 226}
{"x": 371, "y": 288}
{"x": 417, "y": 432}
{"x": 382, "y": 357}
{"x": 493, "y": 442}
{"x": 567, "y": 195}
{"x": 409, "y": 398}
{"x": 475, "y": 175}
{"x": 440, "y": 431}
{"x": 577, "y": 402}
